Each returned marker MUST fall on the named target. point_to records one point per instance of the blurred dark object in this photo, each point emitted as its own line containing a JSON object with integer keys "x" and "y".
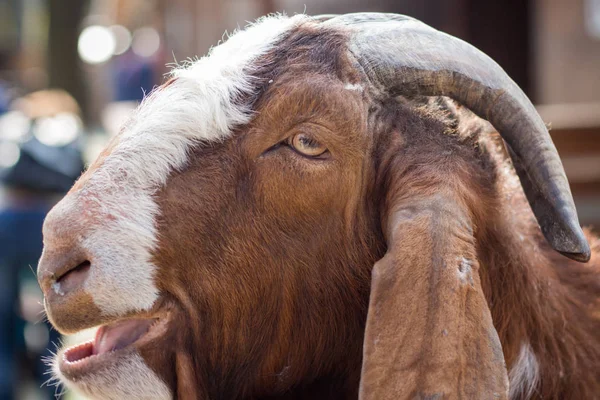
{"x": 4, "y": 98}
{"x": 133, "y": 77}
{"x": 10, "y": 31}
{"x": 40, "y": 158}
{"x": 20, "y": 248}
{"x": 64, "y": 68}
{"x": 44, "y": 168}
{"x": 49, "y": 158}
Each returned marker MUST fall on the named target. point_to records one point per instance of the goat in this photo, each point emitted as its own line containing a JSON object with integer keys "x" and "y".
{"x": 312, "y": 211}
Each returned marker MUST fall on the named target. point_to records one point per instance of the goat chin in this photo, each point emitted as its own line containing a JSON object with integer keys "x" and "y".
{"x": 276, "y": 223}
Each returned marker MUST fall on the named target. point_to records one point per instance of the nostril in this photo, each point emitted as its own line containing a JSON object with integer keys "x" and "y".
{"x": 81, "y": 268}
{"x": 72, "y": 279}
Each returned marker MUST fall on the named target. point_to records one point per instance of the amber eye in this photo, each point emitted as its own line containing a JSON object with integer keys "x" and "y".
{"x": 306, "y": 145}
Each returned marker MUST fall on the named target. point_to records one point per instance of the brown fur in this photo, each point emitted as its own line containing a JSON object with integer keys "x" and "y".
{"x": 280, "y": 248}
{"x": 266, "y": 256}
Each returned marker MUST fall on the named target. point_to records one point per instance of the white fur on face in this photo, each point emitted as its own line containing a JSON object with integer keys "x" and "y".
{"x": 113, "y": 214}
{"x": 198, "y": 106}
{"x": 524, "y": 374}
{"x": 128, "y": 379}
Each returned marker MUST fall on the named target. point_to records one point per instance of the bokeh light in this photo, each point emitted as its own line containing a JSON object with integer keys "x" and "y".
{"x": 9, "y": 154}
{"x": 14, "y": 126}
{"x": 58, "y": 130}
{"x": 122, "y": 38}
{"x": 96, "y": 44}
{"x": 146, "y": 42}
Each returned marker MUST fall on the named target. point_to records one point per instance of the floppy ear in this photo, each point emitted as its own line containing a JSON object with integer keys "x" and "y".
{"x": 429, "y": 332}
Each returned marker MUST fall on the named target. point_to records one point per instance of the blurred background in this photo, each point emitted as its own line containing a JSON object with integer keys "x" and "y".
{"x": 71, "y": 71}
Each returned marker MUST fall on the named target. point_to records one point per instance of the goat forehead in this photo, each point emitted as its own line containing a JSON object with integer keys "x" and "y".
{"x": 199, "y": 105}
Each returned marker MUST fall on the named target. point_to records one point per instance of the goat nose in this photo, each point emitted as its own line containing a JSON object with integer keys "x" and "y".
{"x": 67, "y": 266}
{"x": 62, "y": 271}
{"x": 65, "y": 263}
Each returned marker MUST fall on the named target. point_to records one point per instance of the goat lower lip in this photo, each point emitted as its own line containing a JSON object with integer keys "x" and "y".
{"x": 80, "y": 352}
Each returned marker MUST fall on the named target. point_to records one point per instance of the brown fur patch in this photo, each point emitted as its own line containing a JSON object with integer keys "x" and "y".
{"x": 265, "y": 255}
{"x": 274, "y": 251}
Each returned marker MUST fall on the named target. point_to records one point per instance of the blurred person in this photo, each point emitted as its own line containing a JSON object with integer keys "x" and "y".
{"x": 40, "y": 158}
{"x": 4, "y": 98}
{"x": 133, "y": 76}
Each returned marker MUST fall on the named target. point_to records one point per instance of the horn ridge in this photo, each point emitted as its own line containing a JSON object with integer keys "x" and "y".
{"x": 403, "y": 56}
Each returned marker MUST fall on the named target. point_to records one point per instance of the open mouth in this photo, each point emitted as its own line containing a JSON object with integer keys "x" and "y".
{"x": 111, "y": 340}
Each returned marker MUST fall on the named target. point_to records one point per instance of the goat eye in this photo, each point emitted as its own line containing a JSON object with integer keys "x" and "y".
{"x": 307, "y": 145}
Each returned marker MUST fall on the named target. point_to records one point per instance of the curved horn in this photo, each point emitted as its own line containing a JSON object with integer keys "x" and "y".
{"x": 403, "y": 56}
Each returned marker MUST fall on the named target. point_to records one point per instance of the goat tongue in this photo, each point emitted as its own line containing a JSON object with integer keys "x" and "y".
{"x": 120, "y": 334}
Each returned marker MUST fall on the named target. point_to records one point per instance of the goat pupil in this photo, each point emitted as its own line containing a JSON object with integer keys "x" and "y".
{"x": 308, "y": 142}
